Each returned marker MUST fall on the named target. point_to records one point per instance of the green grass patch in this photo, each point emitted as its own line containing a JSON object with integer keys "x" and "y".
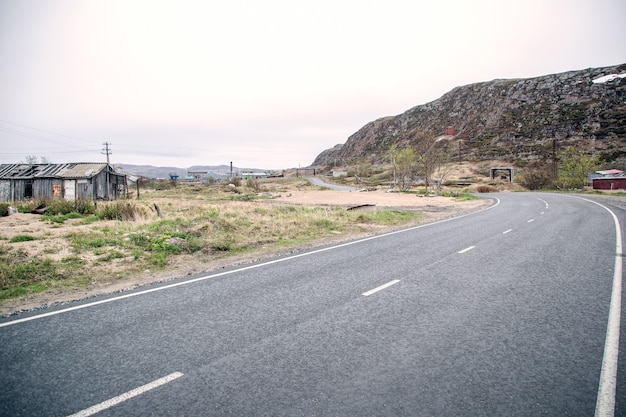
{"x": 388, "y": 217}
{"x": 21, "y": 238}
{"x": 20, "y": 275}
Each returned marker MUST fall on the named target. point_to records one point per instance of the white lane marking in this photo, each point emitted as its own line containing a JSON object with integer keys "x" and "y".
{"x": 544, "y": 202}
{"x": 245, "y": 268}
{"x": 542, "y": 213}
{"x": 605, "y": 402}
{"x": 382, "y": 287}
{"x": 507, "y": 231}
{"x": 531, "y": 220}
{"x": 466, "y": 249}
{"x": 127, "y": 395}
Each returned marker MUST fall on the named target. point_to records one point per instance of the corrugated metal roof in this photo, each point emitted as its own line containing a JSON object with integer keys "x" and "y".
{"x": 81, "y": 170}
{"x": 31, "y": 171}
{"x": 610, "y": 172}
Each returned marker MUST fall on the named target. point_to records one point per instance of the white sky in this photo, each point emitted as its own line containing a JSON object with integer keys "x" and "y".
{"x": 265, "y": 84}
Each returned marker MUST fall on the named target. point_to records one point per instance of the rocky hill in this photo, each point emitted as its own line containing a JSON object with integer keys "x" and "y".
{"x": 514, "y": 120}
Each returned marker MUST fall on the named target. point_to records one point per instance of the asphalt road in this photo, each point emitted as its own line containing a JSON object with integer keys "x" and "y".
{"x": 320, "y": 182}
{"x": 500, "y": 313}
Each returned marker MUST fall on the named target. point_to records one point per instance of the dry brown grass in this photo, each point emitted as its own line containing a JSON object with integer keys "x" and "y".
{"x": 201, "y": 228}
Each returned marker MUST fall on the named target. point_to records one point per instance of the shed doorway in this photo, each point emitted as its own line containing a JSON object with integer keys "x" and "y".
{"x": 70, "y": 190}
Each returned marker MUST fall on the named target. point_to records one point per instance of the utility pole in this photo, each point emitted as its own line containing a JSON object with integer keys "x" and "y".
{"x": 107, "y": 151}
{"x": 555, "y": 159}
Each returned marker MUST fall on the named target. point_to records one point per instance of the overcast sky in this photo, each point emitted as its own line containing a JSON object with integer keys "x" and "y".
{"x": 264, "y": 84}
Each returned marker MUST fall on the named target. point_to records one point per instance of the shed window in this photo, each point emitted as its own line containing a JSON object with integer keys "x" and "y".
{"x": 28, "y": 189}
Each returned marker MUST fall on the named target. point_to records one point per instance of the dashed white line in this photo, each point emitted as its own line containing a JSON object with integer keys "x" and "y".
{"x": 233, "y": 271}
{"x": 544, "y": 202}
{"x": 531, "y": 220}
{"x": 466, "y": 249}
{"x": 507, "y": 231}
{"x": 382, "y": 287}
{"x": 127, "y": 396}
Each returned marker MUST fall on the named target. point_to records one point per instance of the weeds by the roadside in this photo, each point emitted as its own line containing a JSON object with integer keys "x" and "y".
{"x": 203, "y": 224}
{"x": 121, "y": 210}
{"x": 21, "y": 275}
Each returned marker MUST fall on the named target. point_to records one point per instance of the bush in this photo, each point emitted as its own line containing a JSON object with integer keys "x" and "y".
{"x": 485, "y": 189}
{"x": 536, "y": 178}
{"x": 62, "y": 207}
{"x": 120, "y": 210}
{"x": 4, "y": 209}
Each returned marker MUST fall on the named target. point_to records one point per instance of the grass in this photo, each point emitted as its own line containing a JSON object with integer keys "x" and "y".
{"x": 20, "y": 275}
{"x": 122, "y": 239}
{"x": 21, "y": 238}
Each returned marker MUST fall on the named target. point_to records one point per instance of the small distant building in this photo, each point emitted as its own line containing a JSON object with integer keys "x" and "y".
{"x": 339, "y": 174}
{"x": 449, "y": 131}
{"x": 71, "y": 181}
{"x": 612, "y": 179}
{"x": 196, "y": 175}
{"x": 253, "y": 175}
{"x": 502, "y": 173}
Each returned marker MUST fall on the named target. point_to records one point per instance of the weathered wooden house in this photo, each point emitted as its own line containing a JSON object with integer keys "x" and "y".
{"x": 71, "y": 181}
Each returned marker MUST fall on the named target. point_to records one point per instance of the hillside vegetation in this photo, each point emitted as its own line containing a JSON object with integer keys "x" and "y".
{"x": 519, "y": 121}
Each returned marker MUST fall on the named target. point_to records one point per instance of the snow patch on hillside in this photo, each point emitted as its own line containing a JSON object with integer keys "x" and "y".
{"x": 608, "y": 78}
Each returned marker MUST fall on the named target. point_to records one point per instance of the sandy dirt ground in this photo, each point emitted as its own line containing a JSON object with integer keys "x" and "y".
{"x": 435, "y": 208}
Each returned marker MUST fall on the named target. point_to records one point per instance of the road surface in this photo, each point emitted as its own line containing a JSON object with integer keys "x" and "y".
{"x": 503, "y": 312}
{"x": 320, "y": 182}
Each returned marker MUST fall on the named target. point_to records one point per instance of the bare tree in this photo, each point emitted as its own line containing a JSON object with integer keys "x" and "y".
{"x": 362, "y": 170}
{"x": 431, "y": 155}
{"x": 32, "y": 160}
{"x": 392, "y": 156}
{"x": 406, "y": 167}
{"x": 440, "y": 175}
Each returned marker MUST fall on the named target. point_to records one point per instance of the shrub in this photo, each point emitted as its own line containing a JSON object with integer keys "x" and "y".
{"x": 485, "y": 189}
{"x": 536, "y": 178}
{"x": 254, "y": 185}
{"x": 61, "y": 207}
{"x": 4, "y": 209}
{"x": 120, "y": 210}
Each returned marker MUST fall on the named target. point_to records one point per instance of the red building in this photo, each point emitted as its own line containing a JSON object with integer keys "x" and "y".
{"x": 614, "y": 183}
{"x": 449, "y": 131}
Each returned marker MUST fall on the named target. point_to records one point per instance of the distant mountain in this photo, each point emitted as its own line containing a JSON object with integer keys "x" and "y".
{"x": 150, "y": 171}
{"x": 516, "y": 120}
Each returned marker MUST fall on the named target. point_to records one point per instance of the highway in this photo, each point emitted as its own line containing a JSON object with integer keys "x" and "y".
{"x": 499, "y": 313}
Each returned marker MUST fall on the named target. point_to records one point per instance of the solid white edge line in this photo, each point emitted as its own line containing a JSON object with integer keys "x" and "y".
{"x": 127, "y": 396}
{"x": 467, "y": 249}
{"x": 507, "y": 231}
{"x": 382, "y": 287}
{"x": 605, "y": 402}
{"x": 219, "y": 274}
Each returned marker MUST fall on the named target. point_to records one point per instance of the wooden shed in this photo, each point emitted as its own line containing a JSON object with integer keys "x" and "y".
{"x": 71, "y": 181}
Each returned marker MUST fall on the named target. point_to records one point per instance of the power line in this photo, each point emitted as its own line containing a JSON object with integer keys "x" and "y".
{"x": 41, "y": 130}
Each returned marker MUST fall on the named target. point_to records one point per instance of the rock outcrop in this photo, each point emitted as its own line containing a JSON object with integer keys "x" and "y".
{"x": 511, "y": 120}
